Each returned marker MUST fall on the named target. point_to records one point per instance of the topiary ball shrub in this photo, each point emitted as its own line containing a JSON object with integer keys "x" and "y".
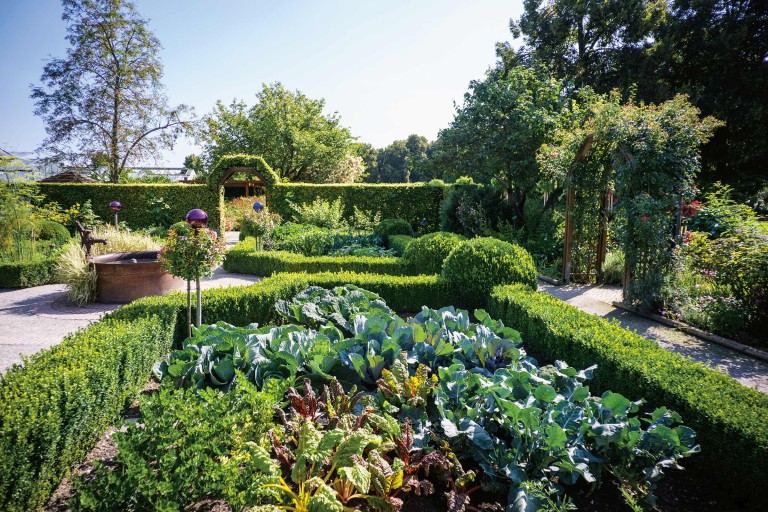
{"x": 474, "y": 267}
{"x": 52, "y": 231}
{"x": 428, "y": 253}
{"x": 388, "y": 227}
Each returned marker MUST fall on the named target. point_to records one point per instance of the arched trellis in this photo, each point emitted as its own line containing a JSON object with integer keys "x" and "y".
{"x": 606, "y": 197}
{"x": 228, "y": 165}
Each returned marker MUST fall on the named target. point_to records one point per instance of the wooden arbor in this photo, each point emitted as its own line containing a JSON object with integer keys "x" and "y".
{"x": 229, "y": 165}
{"x": 605, "y": 205}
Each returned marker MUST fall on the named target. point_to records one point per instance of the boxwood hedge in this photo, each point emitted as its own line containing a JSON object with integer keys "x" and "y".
{"x": 398, "y": 243}
{"x": 137, "y": 200}
{"x": 245, "y": 259}
{"x": 57, "y": 405}
{"x": 27, "y": 273}
{"x": 729, "y": 419}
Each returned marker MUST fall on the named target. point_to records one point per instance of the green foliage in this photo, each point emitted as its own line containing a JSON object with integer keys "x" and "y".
{"x": 103, "y": 105}
{"x": 314, "y": 241}
{"x": 61, "y": 400}
{"x": 73, "y": 270}
{"x": 259, "y": 225}
{"x": 189, "y": 447}
{"x": 721, "y": 215}
{"x": 56, "y": 233}
{"x": 356, "y": 249}
{"x": 195, "y": 163}
{"x": 497, "y": 131}
{"x": 426, "y": 254}
{"x": 320, "y": 213}
{"x": 221, "y": 168}
{"x": 727, "y": 417}
{"x": 477, "y": 265}
{"x": 137, "y": 200}
{"x": 191, "y": 254}
{"x": 389, "y": 227}
{"x": 411, "y": 202}
{"x": 560, "y": 430}
{"x": 398, "y": 243}
{"x": 720, "y": 285}
{"x": 245, "y": 259}
{"x": 613, "y": 268}
{"x": 23, "y": 274}
{"x": 286, "y": 128}
{"x": 403, "y": 161}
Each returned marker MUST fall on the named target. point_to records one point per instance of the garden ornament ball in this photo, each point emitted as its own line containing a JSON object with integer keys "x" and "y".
{"x": 197, "y": 218}
{"x": 258, "y": 206}
{"x": 115, "y": 206}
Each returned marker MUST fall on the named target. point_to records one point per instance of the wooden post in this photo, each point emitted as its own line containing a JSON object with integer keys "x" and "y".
{"x": 602, "y": 241}
{"x": 569, "y": 203}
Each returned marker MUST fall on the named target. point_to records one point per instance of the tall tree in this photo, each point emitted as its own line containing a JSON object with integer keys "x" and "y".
{"x": 402, "y": 161}
{"x": 496, "y": 133}
{"x": 600, "y": 43}
{"x": 717, "y": 52}
{"x": 286, "y": 128}
{"x": 105, "y": 97}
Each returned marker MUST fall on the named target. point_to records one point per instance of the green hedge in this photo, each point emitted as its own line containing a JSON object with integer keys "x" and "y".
{"x": 136, "y": 200}
{"x": 28, "y": 273}
{"x": 730, "y": 420}
{"x": 225, "y": 163}
{"x": 245, "y": 259}
{"x": 242, "y": 305}
{"x": 427, "y": 254}
{"x": 411, "y": 201}
{"x": 55, "y": 407}
{"x": 398, "y": 243}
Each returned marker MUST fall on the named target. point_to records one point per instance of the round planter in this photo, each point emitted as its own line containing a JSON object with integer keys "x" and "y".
{"x": 125, "y": 276}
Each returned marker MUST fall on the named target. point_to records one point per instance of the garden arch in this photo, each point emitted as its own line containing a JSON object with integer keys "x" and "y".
{"x": 229, "y": 165}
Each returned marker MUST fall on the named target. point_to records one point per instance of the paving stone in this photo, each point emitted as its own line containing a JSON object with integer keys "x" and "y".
{"x": 598, "y": 300}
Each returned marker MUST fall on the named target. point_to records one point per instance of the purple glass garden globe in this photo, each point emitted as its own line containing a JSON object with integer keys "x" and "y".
{"x": 197, "y": 218}
{"x": 115, "y": 206}
{"x": 258, "y": 206}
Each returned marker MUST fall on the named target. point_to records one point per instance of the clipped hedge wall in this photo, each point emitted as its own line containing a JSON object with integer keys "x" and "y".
{"x": 136, "y": 200}
{"x": 242, "y": 305}
{"x": 28, "y": 273}
{"x": 729, "y": 419}
{"x": 55, "y": 407}
{"x": 410, "y": 201}
{"x": 245, "y": 259}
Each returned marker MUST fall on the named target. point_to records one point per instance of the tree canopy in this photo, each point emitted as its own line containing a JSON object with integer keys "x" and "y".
{"x": 288, "y": 129}
{"x": 499, "y": 128}
{"x": 715, "y": 51}
{"x": 401, "y": 161}
{"x": 104, "y": 102}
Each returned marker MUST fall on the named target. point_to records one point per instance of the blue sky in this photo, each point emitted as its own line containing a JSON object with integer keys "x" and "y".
{"x": 389, "y": 68}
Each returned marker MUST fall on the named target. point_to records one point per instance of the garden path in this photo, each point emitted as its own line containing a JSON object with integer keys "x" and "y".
{"x": 598, "y": 300}
{"x": 40, "y": 317}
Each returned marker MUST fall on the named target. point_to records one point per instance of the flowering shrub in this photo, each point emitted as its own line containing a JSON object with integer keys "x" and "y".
{"x": 721, "y": 284}
{"x": 236, "y": 210}
{"x": 189, "y": 253}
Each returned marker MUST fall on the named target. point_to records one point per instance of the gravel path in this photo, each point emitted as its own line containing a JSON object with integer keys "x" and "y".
{"x": 597, "y": 300}
{"x": 36, "y": 318}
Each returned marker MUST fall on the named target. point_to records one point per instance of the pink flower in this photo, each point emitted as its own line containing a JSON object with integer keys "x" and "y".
{"x": 645, "y": 219}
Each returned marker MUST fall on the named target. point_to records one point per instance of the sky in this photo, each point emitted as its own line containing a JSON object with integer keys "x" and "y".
{"x": 388, "y": 68}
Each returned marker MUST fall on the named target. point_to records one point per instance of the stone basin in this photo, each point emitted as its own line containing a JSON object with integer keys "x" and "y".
{"x": 122, "y": 277}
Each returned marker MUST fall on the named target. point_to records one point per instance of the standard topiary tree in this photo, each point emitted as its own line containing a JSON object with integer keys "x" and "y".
{"x": 474, "y": 267}
{"x": 428, "y": 253}
{"x": 388, "y": 227}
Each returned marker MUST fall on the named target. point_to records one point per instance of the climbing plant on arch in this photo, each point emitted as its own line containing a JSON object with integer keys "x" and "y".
{"x": 649, "y": 155}
{"x": 228, "y": 165}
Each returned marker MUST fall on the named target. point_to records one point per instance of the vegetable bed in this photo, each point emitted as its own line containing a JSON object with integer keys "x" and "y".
{"x": 372, "y": 410}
